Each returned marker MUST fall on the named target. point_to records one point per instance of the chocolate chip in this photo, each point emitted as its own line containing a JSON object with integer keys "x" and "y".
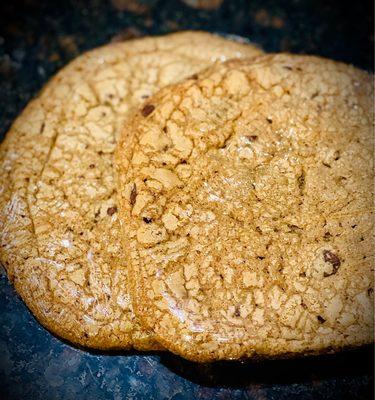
{"x": 147, "y": 220}
{"x": 237, "y": 312}
{"x": 111, "y": 210}
{"x": 288, "y": 68}
{"x": 327, "y": 236}
{"x": 370, "y": 291}
{"x": 252, "y": 138}
{"x": 294, "y": 228}
{"x": 260, "y": 257}
{"x": 321, "y": 319}
{"x": 194, "y": 76}
{"x": 302, "y": 274}
{"x": 147, "y": 110}
{"x": 133, "y": 195}
{"x": 92, "y": 166}
{"x": 269, "y": 120}
{"x": 333, "y": 259}
{"x": 96, "y": 215}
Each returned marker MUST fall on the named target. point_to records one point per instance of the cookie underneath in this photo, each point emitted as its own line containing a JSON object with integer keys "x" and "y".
{"x": 58, "y": 212}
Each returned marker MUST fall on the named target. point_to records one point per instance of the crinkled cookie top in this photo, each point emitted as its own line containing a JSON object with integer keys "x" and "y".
{"x": 246, "y": 195}
{"x": 58, "y": 213}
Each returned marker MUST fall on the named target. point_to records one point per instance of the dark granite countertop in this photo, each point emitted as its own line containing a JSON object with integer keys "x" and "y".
{"x": 39, "y": 37}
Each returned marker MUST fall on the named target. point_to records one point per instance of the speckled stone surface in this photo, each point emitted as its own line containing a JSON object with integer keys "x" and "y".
{"x": 36, "y": 39}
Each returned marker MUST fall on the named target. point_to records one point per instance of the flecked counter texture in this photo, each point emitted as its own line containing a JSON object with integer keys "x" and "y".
{"x": 38, "y": 39}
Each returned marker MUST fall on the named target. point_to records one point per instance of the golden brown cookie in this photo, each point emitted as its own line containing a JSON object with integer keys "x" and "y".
{"x": 58, "y": 211}
{"x": 247, "y": 205}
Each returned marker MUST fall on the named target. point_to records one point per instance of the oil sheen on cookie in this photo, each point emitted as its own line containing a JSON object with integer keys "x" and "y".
{"x": 58, "y": 213}
{"x": 247, "y": 200}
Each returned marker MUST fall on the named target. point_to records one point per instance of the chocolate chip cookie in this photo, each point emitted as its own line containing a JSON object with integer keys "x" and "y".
{"x": 247, "y": 199}
{"x": 58, "y": 212}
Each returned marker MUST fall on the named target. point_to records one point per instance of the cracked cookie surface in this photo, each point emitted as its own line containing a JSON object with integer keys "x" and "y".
{"x": 58, "y": 213}
{"x": 247, "y": 197}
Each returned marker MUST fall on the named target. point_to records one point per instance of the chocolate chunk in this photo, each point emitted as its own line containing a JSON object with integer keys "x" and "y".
{"x": 333, "y": 259}
{"x": 133, "y": 195}
{"x": 327, "y": 236}
{"x": 111, "y": 210}
{"x": 147, "y": 110}
{"x": 294, "y": 228}
{"x": 321, "y": 319}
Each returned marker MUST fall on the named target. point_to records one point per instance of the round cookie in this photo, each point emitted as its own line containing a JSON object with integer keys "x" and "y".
{"x": 58, "y": 211}
{"x": 246, "y": 196}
